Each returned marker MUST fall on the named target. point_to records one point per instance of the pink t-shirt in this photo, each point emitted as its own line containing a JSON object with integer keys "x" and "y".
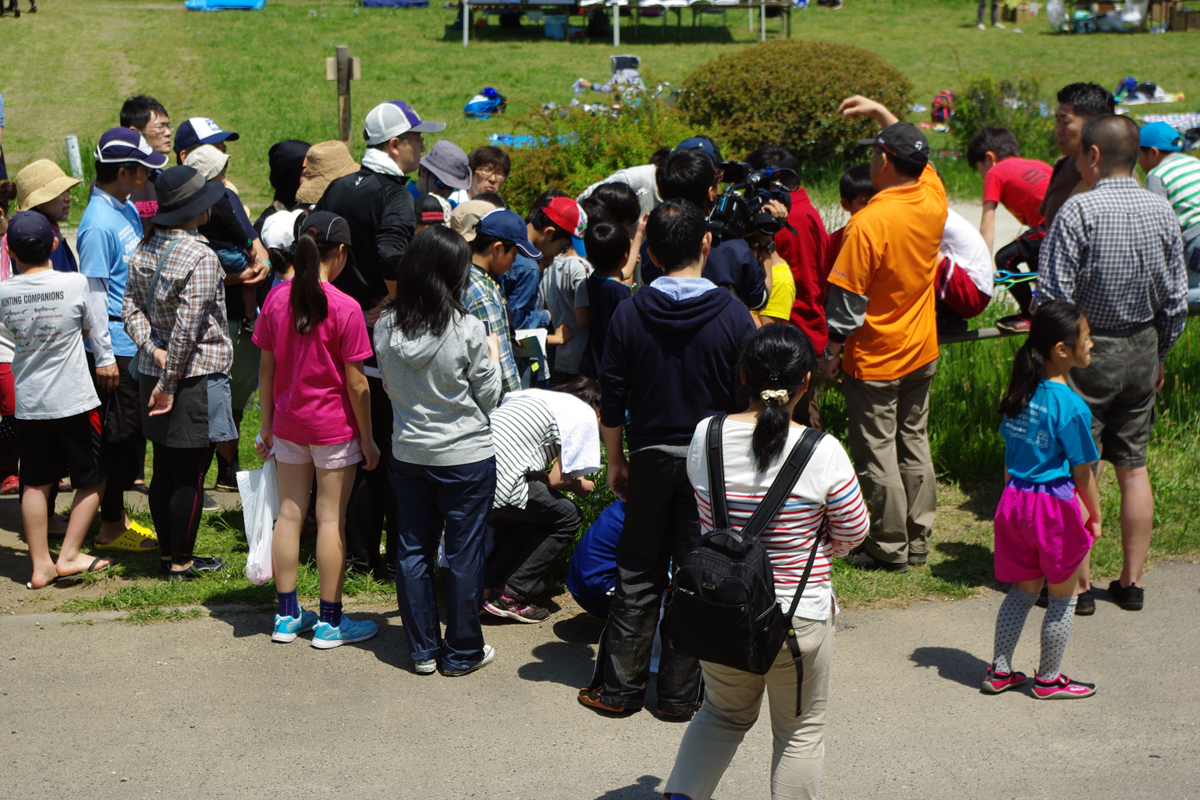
{"x": 1018, "y": 184}
{"x": 312, "y": 403}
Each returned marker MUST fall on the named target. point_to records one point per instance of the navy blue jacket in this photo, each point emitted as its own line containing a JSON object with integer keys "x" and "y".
{"x": 671, "y": 363}
{"x": 731, "y": 263}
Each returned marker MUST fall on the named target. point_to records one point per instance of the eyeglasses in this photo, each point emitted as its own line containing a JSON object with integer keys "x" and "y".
{"x": 490, "y": 174}
{"x": 413, "y": 138}
{"x": 162, "y": 127}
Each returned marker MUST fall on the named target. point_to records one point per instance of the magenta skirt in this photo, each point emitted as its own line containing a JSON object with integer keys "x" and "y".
{"x": 1039, "y": 532}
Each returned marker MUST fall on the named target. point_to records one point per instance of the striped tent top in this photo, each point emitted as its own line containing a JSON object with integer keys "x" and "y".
{"x": 1177, "y": 178}
{"x": 826, "y": 491}
{"x": 527, "y": 440}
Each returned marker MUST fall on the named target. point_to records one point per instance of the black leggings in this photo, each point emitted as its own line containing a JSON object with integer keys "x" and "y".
{"x": 177, "y": 497}
{"x": 1023, "y": 250}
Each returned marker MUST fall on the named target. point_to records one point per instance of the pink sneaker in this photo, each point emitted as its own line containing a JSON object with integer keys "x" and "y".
{"x": 1062, "y": 688}
{"x": 997, "y": 682}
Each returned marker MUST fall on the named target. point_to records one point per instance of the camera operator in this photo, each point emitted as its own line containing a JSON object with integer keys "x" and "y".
{"x": 693, "y": 176}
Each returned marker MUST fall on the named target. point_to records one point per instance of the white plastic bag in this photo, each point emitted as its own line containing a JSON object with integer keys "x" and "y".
{"x": 260, "y": 506}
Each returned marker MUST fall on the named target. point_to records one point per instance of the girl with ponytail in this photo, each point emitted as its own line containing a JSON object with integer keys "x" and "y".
{"x": 825, "y": 510}
{"x": 316, "y": 416}
{"x": 1040, "y": 534}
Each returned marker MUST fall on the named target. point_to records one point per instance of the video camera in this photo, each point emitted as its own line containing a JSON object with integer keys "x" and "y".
{"x": 741, "y": 209}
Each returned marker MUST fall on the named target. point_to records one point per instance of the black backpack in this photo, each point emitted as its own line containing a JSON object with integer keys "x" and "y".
{"x": 722, "y": 607}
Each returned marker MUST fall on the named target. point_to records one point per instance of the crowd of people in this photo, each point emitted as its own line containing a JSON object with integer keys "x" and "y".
{"x": 441, "y": 372}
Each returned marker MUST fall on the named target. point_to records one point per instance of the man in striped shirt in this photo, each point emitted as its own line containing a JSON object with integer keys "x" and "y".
{"x": 1115, "y": 252}
{"x": 1171, "y": 174}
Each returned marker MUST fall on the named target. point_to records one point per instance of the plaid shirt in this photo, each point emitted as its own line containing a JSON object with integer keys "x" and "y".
{"x": 484, "y": 300}
{"x": 1117, "y": 254}
{"x": 188, "y": 318}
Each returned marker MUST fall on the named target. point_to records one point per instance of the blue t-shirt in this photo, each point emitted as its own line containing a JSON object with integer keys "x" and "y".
{"x": 108, "y": 234}
{"x": 1052, "y": 434}
{"x": 592, "y": 574}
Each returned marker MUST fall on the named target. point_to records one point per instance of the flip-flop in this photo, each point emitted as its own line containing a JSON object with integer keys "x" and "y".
{"x": 130, "y": 540}
{"x": 75, "y": 577}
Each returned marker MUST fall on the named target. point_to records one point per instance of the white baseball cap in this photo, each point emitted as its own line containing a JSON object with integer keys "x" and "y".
{"x": 395, "y": 118}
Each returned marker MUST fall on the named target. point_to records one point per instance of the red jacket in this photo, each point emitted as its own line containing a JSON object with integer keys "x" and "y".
{"x": 804, "y": 251}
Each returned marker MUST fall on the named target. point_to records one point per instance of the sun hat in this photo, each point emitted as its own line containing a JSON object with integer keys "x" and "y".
{"x": 29, "y": 232}
{"x": 183, "y": 195}
{"x": 902, "y": 141}
{"x": 1161, "y": 136}
{"x": 395, "y": 118}
{"x": 465, "y": 217}
{"x": 122, "y": 145}
{"x": 41, "y": 182}
{"x": 507, "y": 226}
{"x": 208, "y": 161}
{"x": 200, "y": 130}
{"x": 448, "y": 162}
{"x": 327, "y": 161}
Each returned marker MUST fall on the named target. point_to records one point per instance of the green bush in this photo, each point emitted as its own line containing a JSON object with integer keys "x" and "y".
{"x": 1013, "y": 103}
{"x": 580, "y": 149}
{"x": 787, "y": 92}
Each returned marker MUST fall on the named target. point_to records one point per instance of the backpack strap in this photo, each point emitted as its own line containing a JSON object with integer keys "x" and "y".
{"x": 782, "y": 486}
{"x": 716, "y": 474}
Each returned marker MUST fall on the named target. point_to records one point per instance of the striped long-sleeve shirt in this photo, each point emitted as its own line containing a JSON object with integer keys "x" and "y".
{"x": 827, "y": 491}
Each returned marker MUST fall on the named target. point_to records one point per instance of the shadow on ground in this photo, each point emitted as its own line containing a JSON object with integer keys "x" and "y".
{"x": 568, "y": 661}
{"x": 643, "y": 787}
{"x": 952, "y": 664}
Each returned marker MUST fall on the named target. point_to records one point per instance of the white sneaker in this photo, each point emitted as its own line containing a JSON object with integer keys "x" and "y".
{"x": 489, "y": 654}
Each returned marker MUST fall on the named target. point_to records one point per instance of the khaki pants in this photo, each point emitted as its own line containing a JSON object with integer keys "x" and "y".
{"x": 731, "y": 702}
{"x": 890, "y": 449}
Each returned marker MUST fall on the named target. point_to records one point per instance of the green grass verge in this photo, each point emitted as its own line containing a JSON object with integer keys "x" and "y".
{"x": 263, "y": 73}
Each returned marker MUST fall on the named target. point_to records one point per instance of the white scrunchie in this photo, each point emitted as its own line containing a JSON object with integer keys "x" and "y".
{"x": 774, "y": 394}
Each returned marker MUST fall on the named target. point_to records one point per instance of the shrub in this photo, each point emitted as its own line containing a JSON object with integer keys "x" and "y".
{"x": 1013, "y": 103}
{"x": 578, "y": 149}
{"x": 787, "y": 92}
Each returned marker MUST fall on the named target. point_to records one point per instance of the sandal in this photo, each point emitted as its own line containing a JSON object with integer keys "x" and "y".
{"x": 130, "y": 540}
{"x": 75, "y": 577}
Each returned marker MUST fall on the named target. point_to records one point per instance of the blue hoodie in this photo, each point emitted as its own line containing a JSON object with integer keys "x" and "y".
{"x": 671, "y": 363}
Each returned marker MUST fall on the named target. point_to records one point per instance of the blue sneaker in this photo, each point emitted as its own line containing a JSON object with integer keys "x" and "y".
{"x": 288, "y": 628}
{"x": 349, "y": 632}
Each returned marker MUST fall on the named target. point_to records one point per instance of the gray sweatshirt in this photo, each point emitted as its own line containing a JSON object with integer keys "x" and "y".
{"x": 441, "y": 388}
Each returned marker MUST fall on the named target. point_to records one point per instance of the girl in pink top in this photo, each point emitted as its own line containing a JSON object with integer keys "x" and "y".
{"x": 316, "y": 414}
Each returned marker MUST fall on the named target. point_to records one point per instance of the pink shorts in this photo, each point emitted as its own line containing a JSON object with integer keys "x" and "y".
{"x": 323, "y": 456}
{"x": 1039, "y": 532}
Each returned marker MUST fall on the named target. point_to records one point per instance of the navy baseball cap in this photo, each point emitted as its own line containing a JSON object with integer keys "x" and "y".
{"x": 700, "y": 143}
{"x": 509, "y": 227}
{"x": 119, "y": 145}
{"x": 903, "y": 142}
{"x": 28, "y": 233}
{"x": 1161, "y": 136}
{"x": 200, "y": 130}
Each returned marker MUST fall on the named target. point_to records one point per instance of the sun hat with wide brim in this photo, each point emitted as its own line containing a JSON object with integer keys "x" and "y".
{"x": 41, "y": 182}
{"x": 183, "y": 195}
{"x": 326, "y": 162}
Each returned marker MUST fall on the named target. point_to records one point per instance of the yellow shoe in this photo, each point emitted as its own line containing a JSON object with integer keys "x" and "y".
{"x": 132, "y": 540}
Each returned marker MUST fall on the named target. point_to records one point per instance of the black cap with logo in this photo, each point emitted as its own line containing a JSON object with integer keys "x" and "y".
{"x": 902, "y": 141}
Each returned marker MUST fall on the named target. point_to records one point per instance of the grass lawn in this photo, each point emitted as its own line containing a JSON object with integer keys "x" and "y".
{"x": 263, "y": 73}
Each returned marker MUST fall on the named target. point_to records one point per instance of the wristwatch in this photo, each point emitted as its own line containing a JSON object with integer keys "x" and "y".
{"x": 827, "y": 356}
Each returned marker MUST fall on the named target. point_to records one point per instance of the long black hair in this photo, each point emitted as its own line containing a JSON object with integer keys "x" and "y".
{"x": 430, "y": 280}
{"x": 1053, "y": 322}
{"x": 774, "y": 358}
{"x": 310, "y": 307}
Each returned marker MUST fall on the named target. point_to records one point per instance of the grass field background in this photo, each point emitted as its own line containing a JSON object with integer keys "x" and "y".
{"x": 262, "y": 73}
{"x": 68, "y": 68}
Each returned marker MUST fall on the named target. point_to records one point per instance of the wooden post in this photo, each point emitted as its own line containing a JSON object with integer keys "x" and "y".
{"x": 343, "y": 69}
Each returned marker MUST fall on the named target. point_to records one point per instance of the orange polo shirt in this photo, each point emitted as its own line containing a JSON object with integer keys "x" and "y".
{"x": 889, "y": 254}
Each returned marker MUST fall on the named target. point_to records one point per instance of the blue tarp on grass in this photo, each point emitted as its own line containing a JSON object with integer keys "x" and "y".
{"x": 395, "y": 3}
{"x": 220, "y": 5}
